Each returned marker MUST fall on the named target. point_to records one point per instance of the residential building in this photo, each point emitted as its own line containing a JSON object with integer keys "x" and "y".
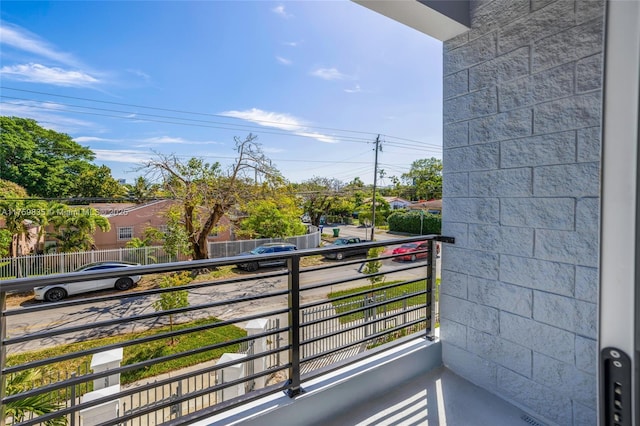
{"x": 130, "y": 221}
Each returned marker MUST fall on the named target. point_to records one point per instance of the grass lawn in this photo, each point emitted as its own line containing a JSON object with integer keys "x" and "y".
{"x": 142, "y": 352}
{"x": 343, "y": 305}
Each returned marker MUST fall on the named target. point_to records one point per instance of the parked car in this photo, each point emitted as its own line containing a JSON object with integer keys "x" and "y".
{"x": 411, "y": 251}
{"x": 56, "y": 292}
{"x": 354, "y": 250}
{"x": 253, "y": 266}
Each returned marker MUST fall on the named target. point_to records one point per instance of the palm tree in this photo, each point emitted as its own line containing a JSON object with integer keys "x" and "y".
{"x": 74, "y": 226}
{"x": 20, "y": 216}
{"x": 38, "y": 404}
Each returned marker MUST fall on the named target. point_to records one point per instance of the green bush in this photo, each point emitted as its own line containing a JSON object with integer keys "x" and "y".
{"x": 409, "y": 222}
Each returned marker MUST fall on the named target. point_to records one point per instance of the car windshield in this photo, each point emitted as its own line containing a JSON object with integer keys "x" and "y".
{"x": 259, "y": 250}
{"x": 411, "y": 245}
{"x": 340, "y": 242}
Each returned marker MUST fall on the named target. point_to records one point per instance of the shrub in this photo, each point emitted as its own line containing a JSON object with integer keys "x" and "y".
{"x": 409, "y": 222}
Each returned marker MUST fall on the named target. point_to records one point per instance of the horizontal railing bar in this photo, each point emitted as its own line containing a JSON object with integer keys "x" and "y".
{"x": 92, "y": 376}
{"x": 361, "y": 356}
{"x": 228, "y": 405}
{"x": 363, "y": 340}
{"x": 364, "y": 308}
{"x": 360, "y": 293}
{"x": 168, "y": 312}
{"x": 78, "y": 354}
{"x": 359, "y": 326}
{"x": 132, "y": 295}
{"x": 308, "y": 287}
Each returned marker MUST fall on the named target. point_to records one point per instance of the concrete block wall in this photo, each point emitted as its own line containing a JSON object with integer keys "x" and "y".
{"x": 522, "y": 106}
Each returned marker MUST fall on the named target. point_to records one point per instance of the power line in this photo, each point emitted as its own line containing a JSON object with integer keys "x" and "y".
{"x": 421, "y": 143}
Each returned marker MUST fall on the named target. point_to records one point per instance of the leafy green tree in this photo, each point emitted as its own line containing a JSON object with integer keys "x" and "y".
{"x": 19, "y": 214}
{"x": 74, "y": 226}
{"x": 97, "y": 182}
{"x": 142, "y": 190}
{"x": 373, "y": 266}
{"x": 46, "y": 163}
{"x": 206, "y": 192}
{"x": 318, "y": 195}
{"x": 383, "y": 209}
{"x": 272, "y": 218}
{"x": 173, "y": 299}
{"x": 426, "y": 176}
{"x": 39, "y": 405}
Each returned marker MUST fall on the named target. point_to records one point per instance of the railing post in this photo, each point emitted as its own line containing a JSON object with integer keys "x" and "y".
{"x": 3, "y": 354}
{"x": 431, "y": 290}
{"x": 294, "y": 327}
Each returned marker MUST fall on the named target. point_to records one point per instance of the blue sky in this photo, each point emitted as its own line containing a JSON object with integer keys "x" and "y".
{"x": 315, "y": 80}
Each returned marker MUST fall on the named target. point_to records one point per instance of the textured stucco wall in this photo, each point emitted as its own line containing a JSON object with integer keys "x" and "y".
{"x": 522, "y": 104}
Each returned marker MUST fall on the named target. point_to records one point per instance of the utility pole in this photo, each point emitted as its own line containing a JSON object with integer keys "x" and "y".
{"x": 375, "y": 181}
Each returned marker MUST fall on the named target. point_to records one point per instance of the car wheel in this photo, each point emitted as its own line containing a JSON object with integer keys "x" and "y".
{"x": 252, "y": 267}
{"x": 339, "y": 256}
{"x": 124, "y": 283}
{"x": 55, "y": 294}
{"x": 413, "y": 257}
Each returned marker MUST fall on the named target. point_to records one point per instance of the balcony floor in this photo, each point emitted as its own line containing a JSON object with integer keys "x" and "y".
{"x": 439, "y": 397}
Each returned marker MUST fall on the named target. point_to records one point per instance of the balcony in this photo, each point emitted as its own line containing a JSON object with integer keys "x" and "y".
{"x": 315, "y": 342}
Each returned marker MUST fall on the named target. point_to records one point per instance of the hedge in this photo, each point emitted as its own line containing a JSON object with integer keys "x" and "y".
{"x": 409, "y": 222}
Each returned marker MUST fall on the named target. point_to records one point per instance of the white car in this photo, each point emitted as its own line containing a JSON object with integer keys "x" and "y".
{"x": 56, "y": 292}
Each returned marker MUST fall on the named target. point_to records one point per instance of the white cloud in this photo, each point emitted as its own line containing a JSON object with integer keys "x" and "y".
{"x": 279, "y": 121}
{"x": 279, "y": 10}
{"x": 85, "y": 139}
{"x": 128, "y": 156}
{"x": 330, "y": 74}
{"x": 19, "y": 38}
{"x": 48, "y": 115}
{"x": 292, "y": 43}
{"x": 164, "y": 140}
{"x": 140, "y": 74}
{"x": 283, "y": 61}
{"x": 37, "y": 73}
{"x": 356, "y": 89}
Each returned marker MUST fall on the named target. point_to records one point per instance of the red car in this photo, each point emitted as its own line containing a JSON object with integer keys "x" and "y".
{"x": 411, "y": 251}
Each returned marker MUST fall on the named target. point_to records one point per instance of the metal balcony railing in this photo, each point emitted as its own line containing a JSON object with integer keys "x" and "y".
{"x": 116, "y": 357}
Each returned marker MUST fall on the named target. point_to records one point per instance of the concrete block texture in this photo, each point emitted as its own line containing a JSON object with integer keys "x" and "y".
{"x": 566, "y": 313}
{"x": 472, "y": 158}
{"x": 543, "y": 86}
{"x": 505, "y": 126}
{"x": 474, "y": 52}
{"x": 501, "y": 239}
{"x": 548, "y": 213}
{"x": 456, "y": 134}
{"x": 551, "y": 403}
{"x": 541, "y": 338}
{"x": 455, "y": 184}
{"x": 505, "y": 297}
{"x": 475, "y": 104}
{"x": 500, "y": 69}
{"x": 456, "y": 84}
{"x": 472, "y": 210}
{"x": 522, "y": 141}
{"x": 476, "y": 316}
{"x": 471, "y": 262}
{"x": 472, "y": 367}
{"x": 546, "y": 20}
{"x": 568, "y": 113}
{"x": 505, "y": 353}
{"x": 584, "y": 40}
{"x": 501, "y": 183}
{"x": 536, "y": 274}
{"x": 555, "y": 148}
{"x": 578, "y": 385}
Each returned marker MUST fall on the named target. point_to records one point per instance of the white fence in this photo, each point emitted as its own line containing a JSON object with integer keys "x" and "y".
{"x": 59, "y": 263}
